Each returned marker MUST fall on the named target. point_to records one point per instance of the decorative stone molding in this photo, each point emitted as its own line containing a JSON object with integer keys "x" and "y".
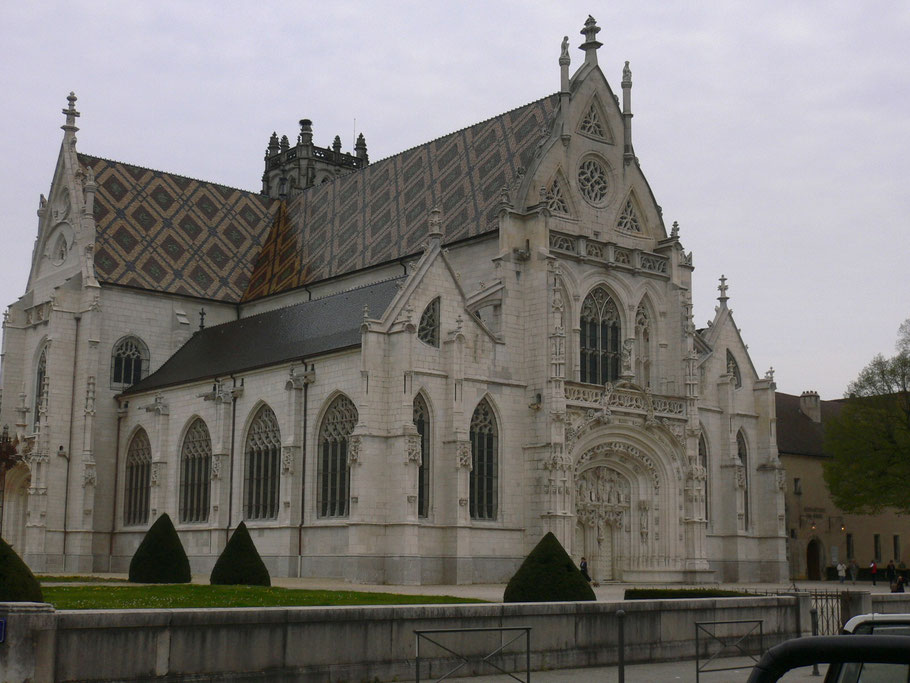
{"x": 781, "y": 479}
{"x": 287, "y": 459}
{"x": 159, "y": 406}
{"x": 216, "y": 465}
{"x": 355, "y": 442}
{"x": 89, "y": 476}
{"x": 620, "y": 447}
{"x": 463, "y": 502}
{"x": 463, "y": 455}
{"x": 414, "y": 454}
{"x": 740, "y": 475}
{"x": 157, "y": 473}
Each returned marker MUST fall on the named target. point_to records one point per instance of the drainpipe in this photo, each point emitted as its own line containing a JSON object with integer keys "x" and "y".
{"x": 66, "y": 490}
{"x": 227, "y": 530}
{"x": 121, "y": 413}
{"x": 306, "y": 389}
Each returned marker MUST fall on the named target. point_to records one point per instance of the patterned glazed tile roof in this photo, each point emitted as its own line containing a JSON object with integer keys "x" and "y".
{"x": 174, "y": 234}
{"x": 380, "y": 213}
{"x": 287, "y": 334}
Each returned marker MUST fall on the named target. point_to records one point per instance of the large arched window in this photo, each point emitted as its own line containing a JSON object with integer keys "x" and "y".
{"x": 129, "y": 362}
{"x": 138, "y": 479}
{"x": 643, "y": 346}
{"x": 263, "y": 456}
{"x": 484, "y": 490}
{"x": 195, "y": 468}
{"x": 600, "y": 338}
{"x": 40, "y": 388}
{"x": 703, "y": 461}
{"x": 422, "y": 422}
{"x": 743, "y": 454}
{"x": 334, "y": 473}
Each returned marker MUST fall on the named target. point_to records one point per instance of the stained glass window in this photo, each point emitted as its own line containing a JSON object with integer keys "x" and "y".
{"x": 195, "y": 473}
{"x": 600, "y": 338}
{"x": 484, "y": 493}
{"x": 138, "y": 480}
{"x": 261, "y": 474}
{"x": 334, "y": 472}
{"x": 129, "y": 362}
{"x": 422, "y": 422}
{"x": 428, "y": 330}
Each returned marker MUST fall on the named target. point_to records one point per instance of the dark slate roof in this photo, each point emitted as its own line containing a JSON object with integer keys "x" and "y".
{"x": 380, "y": 213}
{"x": 170, "y": 233}
{"x": 796, "y": 433}
{"x": 301, "y": 331}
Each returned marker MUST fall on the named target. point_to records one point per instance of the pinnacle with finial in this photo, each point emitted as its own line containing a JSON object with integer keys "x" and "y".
{"x": 590, "y": 32}
{"x": 722, "y": 288}
{"x": 71, "y": 113}
{"x": 626, "y": 75}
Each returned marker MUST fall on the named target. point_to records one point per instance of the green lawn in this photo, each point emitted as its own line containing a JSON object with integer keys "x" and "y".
{"x": 194, "y": 595}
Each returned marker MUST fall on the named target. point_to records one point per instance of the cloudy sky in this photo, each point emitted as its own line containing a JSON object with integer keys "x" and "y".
{"x": 776, "y": 133}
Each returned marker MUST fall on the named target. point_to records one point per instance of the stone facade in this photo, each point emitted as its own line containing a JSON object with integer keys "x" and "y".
{"x": 565, "y": 387}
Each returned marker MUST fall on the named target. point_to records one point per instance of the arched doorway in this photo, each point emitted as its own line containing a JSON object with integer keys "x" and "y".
{"x": 813, "y": 560}
{"x": 601, "y": 504}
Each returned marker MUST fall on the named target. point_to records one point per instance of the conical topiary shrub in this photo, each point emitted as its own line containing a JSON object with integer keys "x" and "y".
{"x": 17, "y": 583}
{"x": 548, "y": 575}
{"x": 239, "y": 563}
{"x": 160, "y": 557}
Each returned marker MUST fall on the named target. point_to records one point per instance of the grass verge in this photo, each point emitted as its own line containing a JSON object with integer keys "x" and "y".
{"x": 169, "y": 596}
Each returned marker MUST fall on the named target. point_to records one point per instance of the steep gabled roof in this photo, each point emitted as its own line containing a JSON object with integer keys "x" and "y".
{"x": 380, "y": 213}
{"x": 286, "y": 334}
{"x": 169, "y": 233}
{"x": 797, "y": 434}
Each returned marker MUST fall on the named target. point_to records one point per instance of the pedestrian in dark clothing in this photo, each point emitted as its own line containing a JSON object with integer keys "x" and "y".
{"x": 899, "y": 585}
{"x": 583, "y": 567}
{"x": 854, "y": 570}
{"x": 891, "y": 571}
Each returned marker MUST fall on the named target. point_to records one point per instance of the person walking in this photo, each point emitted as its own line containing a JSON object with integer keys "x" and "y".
{"x": 891, "y": 572}
{"x": 583, "y": 568}
{"x": 841, "y": 571}
{"x": 873, "y": 569}
{"x": 854, "y": 571}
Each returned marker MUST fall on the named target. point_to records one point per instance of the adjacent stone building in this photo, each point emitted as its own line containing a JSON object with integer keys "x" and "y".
{"x": 399, "y": 371}
{"x": 821, "y": 534}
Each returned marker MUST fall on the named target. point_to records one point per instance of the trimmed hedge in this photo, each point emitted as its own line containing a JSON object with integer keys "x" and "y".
{"x": 160, "y": 557}
{"x": 548, "y": 574}
{"x": 17, "y": 583}
{"x": 680, "y": 593}
{"x": 240, "y": 563}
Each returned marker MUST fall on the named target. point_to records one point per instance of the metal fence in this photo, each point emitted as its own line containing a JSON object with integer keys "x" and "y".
{"x": 735, "y": 637}
{"x": 434, "y": 636}
{"x": 828, "y": 604}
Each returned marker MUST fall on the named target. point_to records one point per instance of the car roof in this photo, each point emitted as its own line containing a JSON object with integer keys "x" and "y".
{"x": 875, "y": 617}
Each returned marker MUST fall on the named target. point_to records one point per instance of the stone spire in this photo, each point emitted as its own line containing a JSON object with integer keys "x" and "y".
{"x": 71, "y": 114}
{"x": 628, "y": 155}
{"x": 360, "y": 148}
{"x": 591, "y": 43}
{"x": 722, "y": 288}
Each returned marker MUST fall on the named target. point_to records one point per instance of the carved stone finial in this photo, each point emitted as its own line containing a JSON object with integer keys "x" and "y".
{"x": 336, "y": 144}
{"x": 435, "y": 223}
{"x": 273, "y": 143}
{"x": 626, "y": 75}
{"x": 564, "y": 53}
{"x": 71, "y": 114}
{"x": 366, "y": 312}
{"x": 360, "y": 148}
{"x": 722, "y": 288}
{"x": 674, "y": 232}
{"x": 201, "y": 319}
{"x": 591, "y": 43}
{"x": 770, "y": 373}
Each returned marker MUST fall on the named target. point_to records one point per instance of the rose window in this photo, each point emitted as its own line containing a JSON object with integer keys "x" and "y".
{"x": 592, "y": 180}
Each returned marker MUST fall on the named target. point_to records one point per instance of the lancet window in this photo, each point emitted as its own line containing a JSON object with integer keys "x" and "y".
{"x": 195, "y": 473}
{"x": 40, "y": 389}
{"x": 334, "y": 458}
{"x": 743, "y": 453}
{"x": 484, "y": 487}
{"x": 428, "y": 329}
{"x": 703, "y": 462}
{"x": 129, "y": 362}
{"x": 628, "y": 219}
{"x": 643, "y": 346}
{"x": 138, "y": 480}
{"x": 422, "y": 422}
{"x": 600, "y": 338}
{"x": 556, "y": 202}
{"x": 733, "y": 369}
{"x": 261, "y": 474}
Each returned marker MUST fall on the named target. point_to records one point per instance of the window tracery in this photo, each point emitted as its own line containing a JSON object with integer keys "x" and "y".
{"x": 263, "y": 459}
{"x": 195, "y": 473}
{"x": 40, "y": 388}
{"x": 138, "y": 480}
{"x": 428, "y": 329}
{"x": 591, "y": 123}
{"x": 422, "y": 422}
{"x": 703, "y": 462}
{"x": 58, "y": 256}
{"x": 628, "y": 219}
{"x": 600, "y": 338}
{"x": 743, "y": 453}
{"x": 592, "y": 181}
{"x": 334, "y": 473}
{"x": 733, "y": 369}
{"x": 555, "y": 200}
{"x": 484, "y": 475}
{"x": 129, "y": 362}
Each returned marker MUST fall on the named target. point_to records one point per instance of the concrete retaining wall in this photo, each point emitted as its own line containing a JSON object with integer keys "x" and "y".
{"x": 361, "y": 643}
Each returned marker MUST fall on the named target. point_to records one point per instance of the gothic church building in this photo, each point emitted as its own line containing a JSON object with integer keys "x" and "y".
{"x": 400, "y": 371}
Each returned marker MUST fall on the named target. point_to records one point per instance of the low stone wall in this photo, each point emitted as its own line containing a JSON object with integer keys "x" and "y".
{"x": 891, "y": 603}
{"x": 363, "y": 643}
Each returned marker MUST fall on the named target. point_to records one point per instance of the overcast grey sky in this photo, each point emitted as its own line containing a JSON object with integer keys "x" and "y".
{"x": 775, "y": 132}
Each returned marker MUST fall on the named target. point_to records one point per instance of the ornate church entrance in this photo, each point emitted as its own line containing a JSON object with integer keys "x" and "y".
{"x": 601, "y": 505}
